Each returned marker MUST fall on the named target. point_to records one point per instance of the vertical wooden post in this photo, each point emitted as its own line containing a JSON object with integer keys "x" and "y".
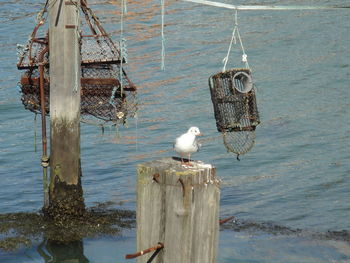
{"x": 178, "y": 207}
{"x": 66, "y": 195}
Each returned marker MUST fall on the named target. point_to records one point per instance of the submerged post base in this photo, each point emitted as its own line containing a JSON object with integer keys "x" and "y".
{"x": 66, "y": 201}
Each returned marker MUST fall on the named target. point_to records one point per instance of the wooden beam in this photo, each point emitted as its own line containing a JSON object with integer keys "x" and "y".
{"x": 265, "y": 7}
{"x": 66, "y": 195}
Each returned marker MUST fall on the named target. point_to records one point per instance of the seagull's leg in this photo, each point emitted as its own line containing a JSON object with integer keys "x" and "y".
{"x": 182, "y": 159}
{"x": 189, "y": 160}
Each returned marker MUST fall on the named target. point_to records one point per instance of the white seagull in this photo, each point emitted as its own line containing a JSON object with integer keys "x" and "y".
{"x": 187, "y": 143}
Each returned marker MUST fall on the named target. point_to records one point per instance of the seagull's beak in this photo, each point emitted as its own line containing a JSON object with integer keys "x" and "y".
{"x": 201, "y": 134}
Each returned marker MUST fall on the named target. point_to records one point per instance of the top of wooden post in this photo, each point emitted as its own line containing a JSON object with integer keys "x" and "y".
{"x": 176, "y": 162}
{"x": 169, "y": 170}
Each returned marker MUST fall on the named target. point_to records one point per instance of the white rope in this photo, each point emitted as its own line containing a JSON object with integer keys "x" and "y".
{"x": 244, "y": 55}
{"x": 264, "y": 7}
{"x": 233, "y": 41}
{"x": 122, "y": 10}
{"x": 137, "y": 132}
{"x": 77, "y": 51}
{"x": 125, "y": 10}
{"x": 163, "y": 39}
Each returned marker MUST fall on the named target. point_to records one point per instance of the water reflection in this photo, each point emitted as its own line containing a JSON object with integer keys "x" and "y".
{"x": 58, "y": 252}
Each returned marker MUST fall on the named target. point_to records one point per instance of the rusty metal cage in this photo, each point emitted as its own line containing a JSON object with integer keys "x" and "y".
{"x": 235, "y": 108}
{"x": 106, "y": 91}
{"x": 234, "y": 101}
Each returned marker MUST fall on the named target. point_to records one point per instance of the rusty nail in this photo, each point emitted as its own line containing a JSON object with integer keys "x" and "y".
{"x": 142, "y": 252}
{"x": 156, "y": 177}
{"x": 183, "y": 186}
{"x": 223, "y": 221}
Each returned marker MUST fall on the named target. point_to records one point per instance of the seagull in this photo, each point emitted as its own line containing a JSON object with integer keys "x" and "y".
{"x": 187, "y": 143}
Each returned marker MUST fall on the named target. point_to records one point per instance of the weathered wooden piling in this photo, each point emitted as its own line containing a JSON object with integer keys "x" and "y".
{"x": 65, "y": 193}
{"x": 179, "y": 207}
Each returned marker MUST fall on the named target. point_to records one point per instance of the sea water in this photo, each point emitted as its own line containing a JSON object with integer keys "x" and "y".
{"x": 287, "y": 194}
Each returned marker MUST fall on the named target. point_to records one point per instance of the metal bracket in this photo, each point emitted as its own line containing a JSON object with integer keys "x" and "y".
{"x": 45, "y": 161}
{"x": 70, "y": 26}
{"x": 69, "y": 2}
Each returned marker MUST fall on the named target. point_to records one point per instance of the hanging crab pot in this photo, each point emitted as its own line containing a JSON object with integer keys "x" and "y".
{"x": 234, "y": 101}
{"x": 106, "y": 91}
{"x": 235, "y": 108}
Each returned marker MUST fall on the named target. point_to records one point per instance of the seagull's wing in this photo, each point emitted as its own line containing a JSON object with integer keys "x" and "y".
{"x": 197, "y": 145}
{"x": 177, "y": 142}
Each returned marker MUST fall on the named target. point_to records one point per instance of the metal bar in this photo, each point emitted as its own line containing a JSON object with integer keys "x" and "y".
{"x": 264, "y": 7}
{"x": 70, "y": 26}
{"x": 154, "y": 255}
{"x": 31, "y": 42}
{"x": 100, "y": 35}
{"x": 70, "y": 3}
{"x": 84, "y": 8}
{"x": 25, "y": 80}
{"x": 223, "y": 221}
{"x": 142, "y": 252}
{"x": 44, "y": 158}
{"x": 92, "y": 81}
{"x": 89, "y": 13}
{"x": 42, "y": 41}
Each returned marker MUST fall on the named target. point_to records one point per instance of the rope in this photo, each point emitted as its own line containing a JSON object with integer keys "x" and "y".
{"x": 125, "y": 10}
{"x": 234, "y": 41}
{"x": 233, "y": 38}
{"x": 122, "y": 10}
{"x": 122, "y": 50}
{"x": 162, "y": 36}
{"x": 77, "y": 51}
{"x": 264, "y": 7}
{"x": 137, "y": 132}
{"x": 244, "y": 55}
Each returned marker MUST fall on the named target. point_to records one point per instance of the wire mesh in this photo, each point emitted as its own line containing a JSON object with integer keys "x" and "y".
{"x": 96, "y": 49}
{"x": 107, "y": 93}
{"x": 239, "y": 142}
{"x": 235, "y": 108}
{"x": 101, "y": 94}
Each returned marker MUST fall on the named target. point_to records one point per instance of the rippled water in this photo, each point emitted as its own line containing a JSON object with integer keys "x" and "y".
{"x": 297, "y": 174}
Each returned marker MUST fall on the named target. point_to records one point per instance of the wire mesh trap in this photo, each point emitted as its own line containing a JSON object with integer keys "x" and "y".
{"x": 107, "y": 94}
{"x": 235, "y": 108}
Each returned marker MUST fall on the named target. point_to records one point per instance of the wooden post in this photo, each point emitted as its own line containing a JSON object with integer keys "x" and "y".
{"x": 179, "y": 207}
{"x": 56, "y": 251}
{"x": 66, "y": 195}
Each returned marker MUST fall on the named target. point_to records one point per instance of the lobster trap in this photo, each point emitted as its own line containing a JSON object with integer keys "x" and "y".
{"x": 235, "y": 108}
{"x": 107, "y": 93}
